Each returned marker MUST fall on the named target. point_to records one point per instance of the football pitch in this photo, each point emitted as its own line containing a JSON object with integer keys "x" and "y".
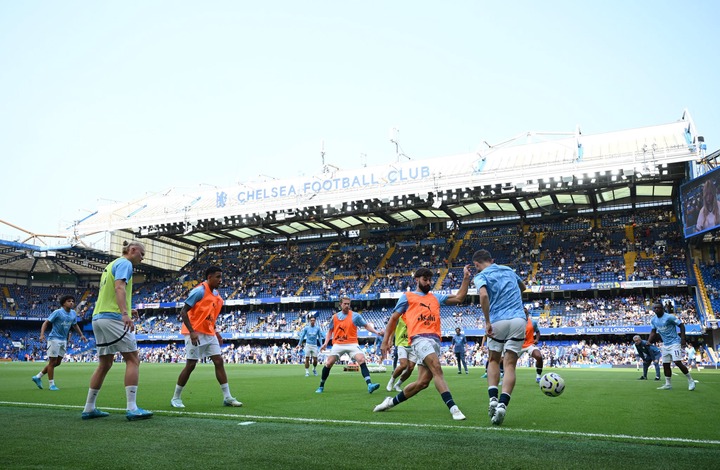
{"x": 606, "y": 418}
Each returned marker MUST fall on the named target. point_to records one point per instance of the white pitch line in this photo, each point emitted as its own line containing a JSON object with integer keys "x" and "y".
{"x": 392, "y": 424}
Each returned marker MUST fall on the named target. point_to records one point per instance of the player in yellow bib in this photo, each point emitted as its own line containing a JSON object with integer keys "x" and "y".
{"x": 114, "y": 330}
{"x": 406, "y": 358}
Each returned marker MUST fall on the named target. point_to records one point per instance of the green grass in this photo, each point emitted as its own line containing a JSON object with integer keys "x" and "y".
{"x": 605, "y": 419}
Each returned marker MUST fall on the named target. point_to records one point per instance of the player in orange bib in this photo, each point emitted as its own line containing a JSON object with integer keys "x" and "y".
{"x": 199, "y": 313}
{"x": 421, "y": 312}
{"x": 343, "y": 333}
{"x": 532, "y": 337}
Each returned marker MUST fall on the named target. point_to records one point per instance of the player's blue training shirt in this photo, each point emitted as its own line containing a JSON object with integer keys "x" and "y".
{"x": 123, "y": 269}
{"x": 647, "y": 351}
{"x": 197, "y": 294}
{"x": 501, "y": 283}
{"x": 61, "y": 321}
{"x": 313, "y": 335}
{"x": 666, "y": 326}
{"x": 357, "y": 319}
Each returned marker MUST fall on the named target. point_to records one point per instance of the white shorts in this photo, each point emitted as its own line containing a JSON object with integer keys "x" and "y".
{"x": 504, "y": 332}
{"x": 406, "y": 352}
{"x": 311, "y": 351}
{"x": 352, "y": 350}
{"x": 111, "y": 337}
{"x": 672, "y": 353}
{"x": 530, "y": 350}
{"x": 56, "y": 348}
{"x": 423, "y": 347}
{"x": 208, "y": 346}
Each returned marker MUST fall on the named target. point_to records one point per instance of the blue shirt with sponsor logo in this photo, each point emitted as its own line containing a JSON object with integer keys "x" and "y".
{"x": 666, "y": 326}
{"x": 61, "y": 322}
{"x": 313, "y": 335}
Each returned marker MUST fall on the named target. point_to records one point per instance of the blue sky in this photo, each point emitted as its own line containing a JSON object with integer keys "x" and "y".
{"x": 110, "y": 100}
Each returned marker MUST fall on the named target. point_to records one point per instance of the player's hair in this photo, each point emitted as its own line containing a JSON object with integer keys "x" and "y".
{"x": 212, "y": 270}
{"x": 423, "y": 272}
{"x": 709, "y": 189}
{"x": 345, "y": 297}
{"x": 482, "y": 256}
{"x": 127, "y": 245}
{"x": 65, "y": 298}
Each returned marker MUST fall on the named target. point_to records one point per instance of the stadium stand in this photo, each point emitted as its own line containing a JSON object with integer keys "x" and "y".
{"x": 569, "y": 252}
{"x": 595, "y": 248}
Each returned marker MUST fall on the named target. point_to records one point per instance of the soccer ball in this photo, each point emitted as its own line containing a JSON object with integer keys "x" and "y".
{"x": 552, "y": 385}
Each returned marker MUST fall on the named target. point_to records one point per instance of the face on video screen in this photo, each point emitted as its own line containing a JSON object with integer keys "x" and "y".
{"x": 699, "y": 204}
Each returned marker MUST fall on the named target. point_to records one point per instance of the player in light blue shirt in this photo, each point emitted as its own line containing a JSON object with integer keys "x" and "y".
{"x": 313, "y": 337}
{"x": 61, "y": 321}
{"x": 500, "y": 290}
{"x": 666, "y": 325}
{"x": 504, "y": 296}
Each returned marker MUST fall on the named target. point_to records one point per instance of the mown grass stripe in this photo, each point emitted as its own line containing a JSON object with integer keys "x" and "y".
{"x": 382, "y": 424}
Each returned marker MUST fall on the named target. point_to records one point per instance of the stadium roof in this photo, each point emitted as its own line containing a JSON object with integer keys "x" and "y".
{"x": 552, "y": 173}
{"x": 531, "y": 175}
{"x": 59, "y": 259}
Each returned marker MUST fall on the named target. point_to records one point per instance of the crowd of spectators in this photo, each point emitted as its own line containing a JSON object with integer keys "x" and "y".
{"x": 557, "y": 354}
{"x": 630, "y": 310}
{"x": 569, "y": 354}
{"x": 41, "y": 301}
{"x": 575, "y": 250}
{"x": 35, "y": 350}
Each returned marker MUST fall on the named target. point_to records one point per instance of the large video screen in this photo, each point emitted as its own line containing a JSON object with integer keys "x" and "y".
{"x": 699, "y": 204}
